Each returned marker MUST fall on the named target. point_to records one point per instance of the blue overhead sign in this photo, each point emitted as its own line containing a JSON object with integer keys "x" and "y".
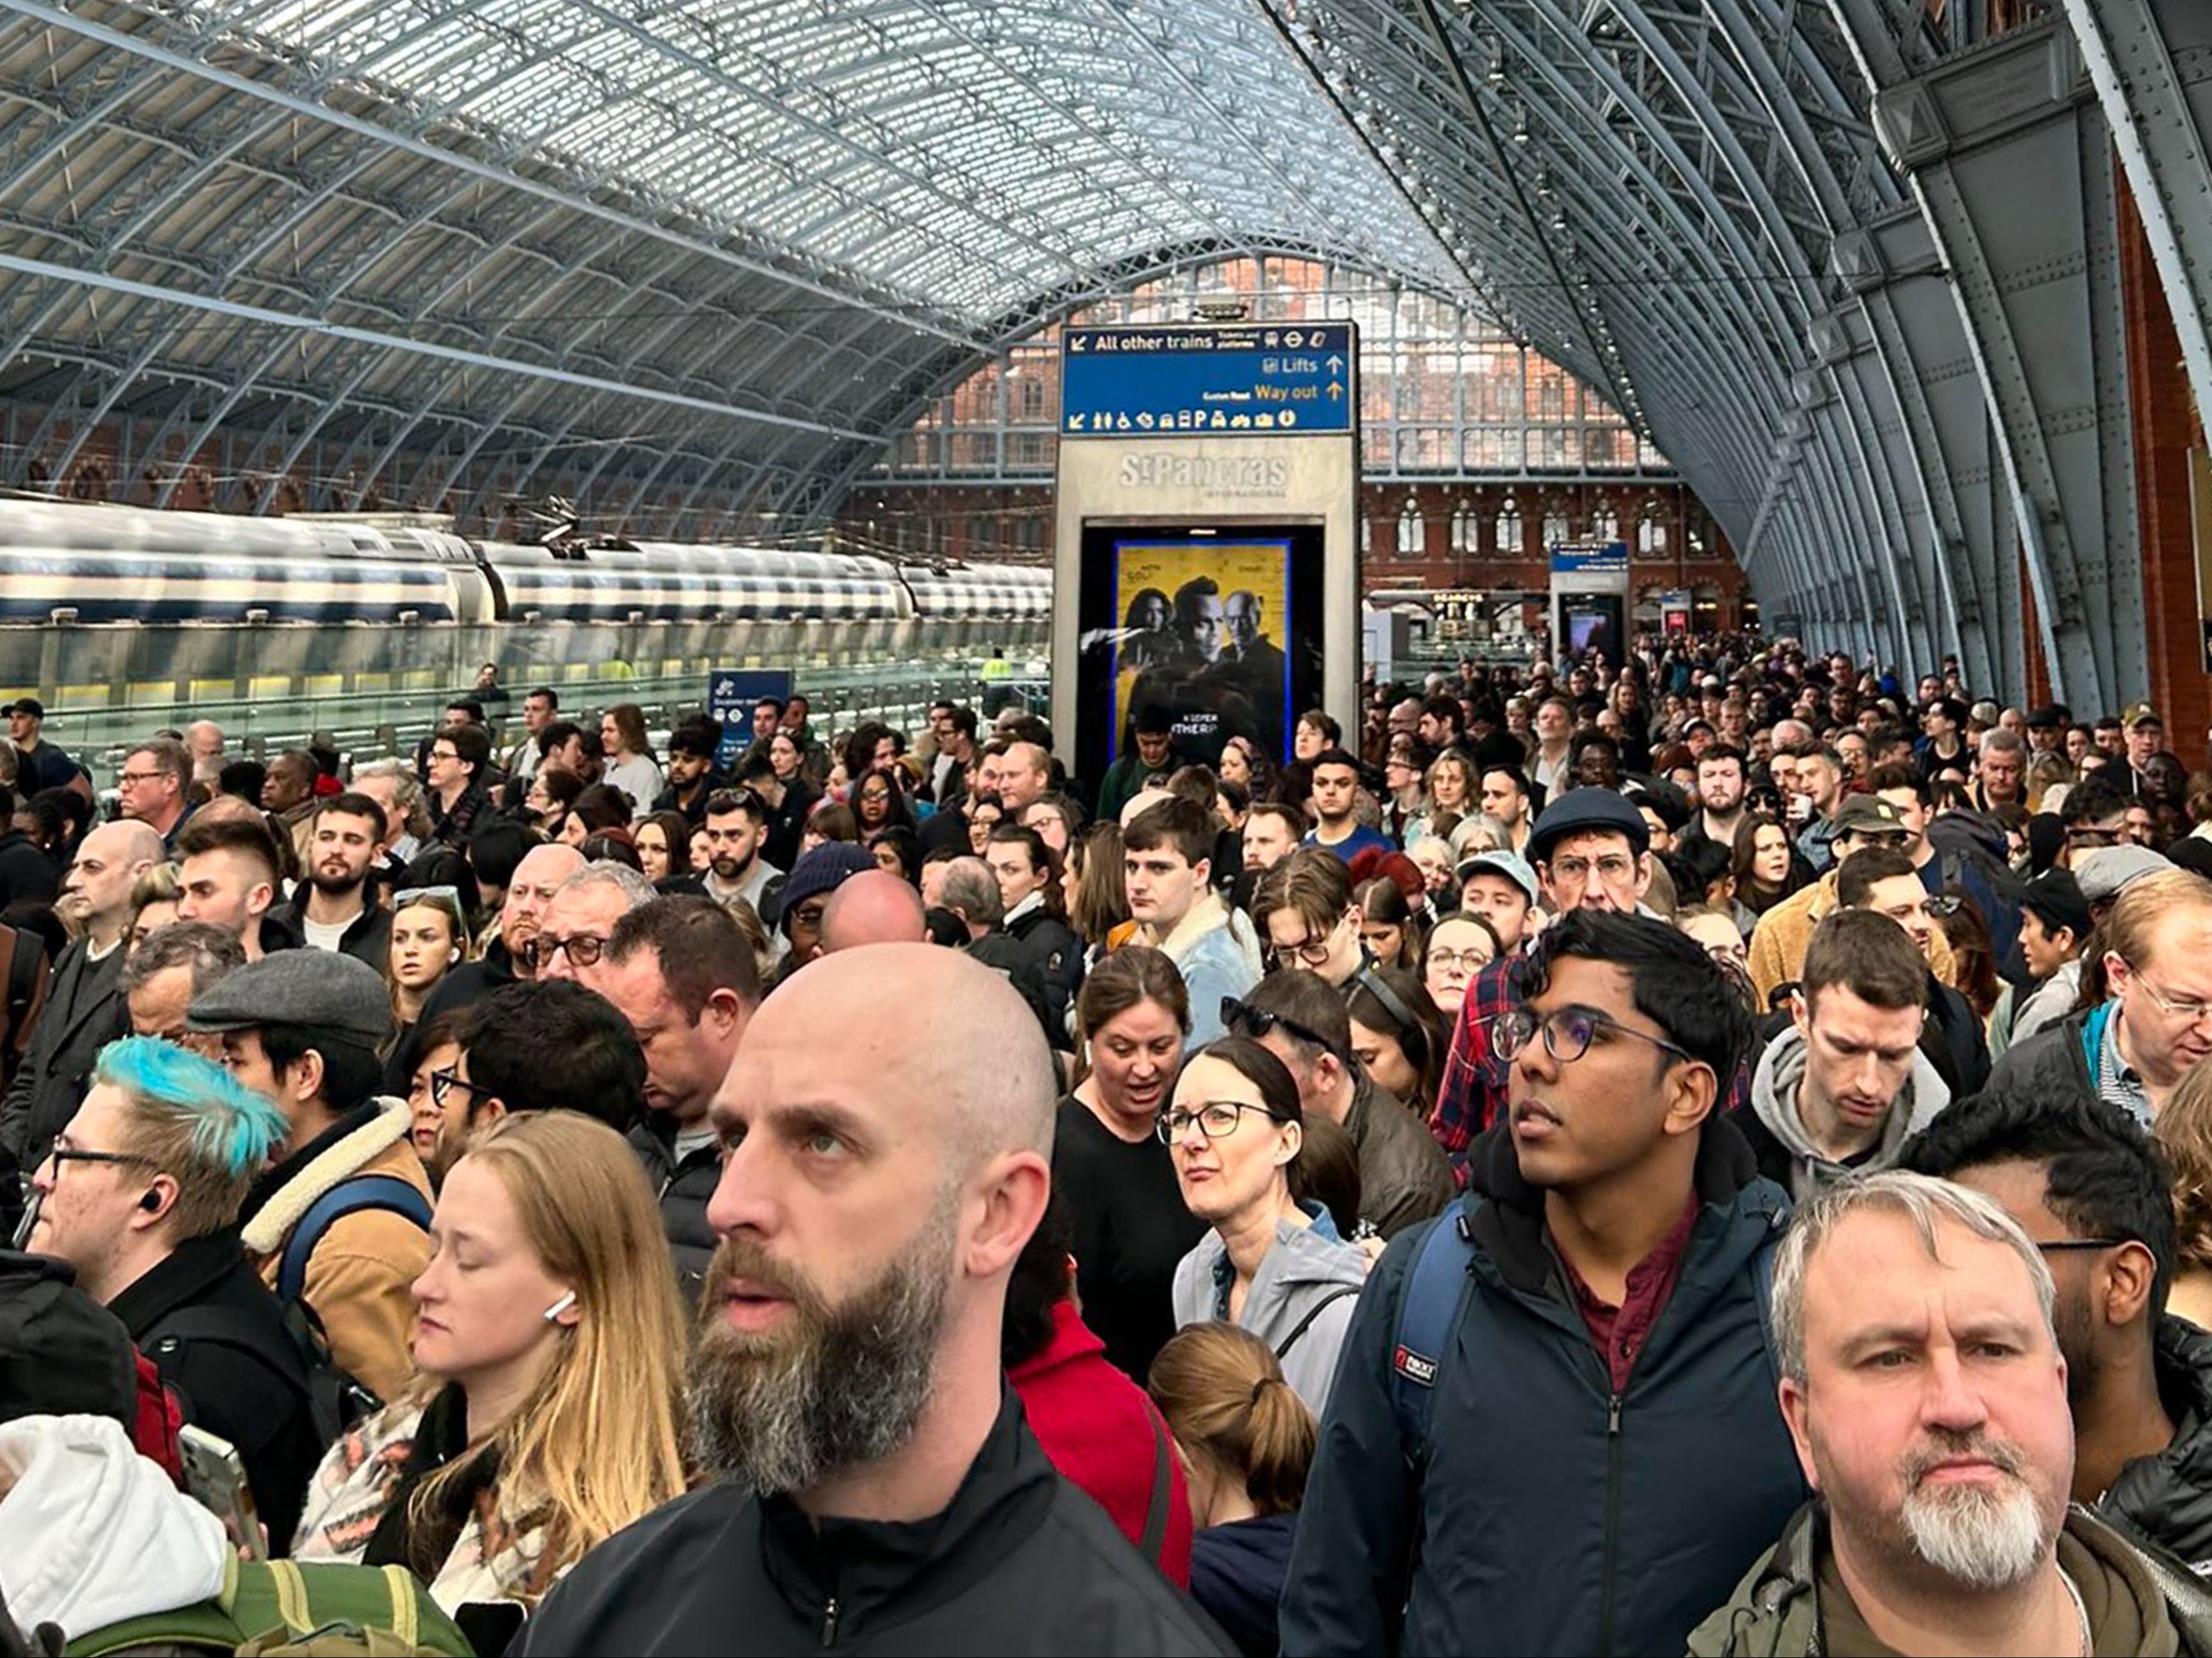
{"x": 1245, "y": 378}
{"x": 731, "y": 695}
{"x": 1592, "y": 558}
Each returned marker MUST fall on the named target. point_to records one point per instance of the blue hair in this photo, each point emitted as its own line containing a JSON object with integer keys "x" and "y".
{"x": 234, "y": 1128}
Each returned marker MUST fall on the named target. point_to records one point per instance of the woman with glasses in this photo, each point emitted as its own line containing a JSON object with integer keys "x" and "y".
{"x": 1131, "y": 1225}
{"x": 1397, "y": 1036}
{"x": 547, "y": 1410}
{"x": 1461, "y": 947}
{"x": 430, "y": 1104}
{"x": 664, "y": 847}
{"x": 1269, "y": 1263}
{"x": 429, "y": 939}
{"x": 879, "y": 803}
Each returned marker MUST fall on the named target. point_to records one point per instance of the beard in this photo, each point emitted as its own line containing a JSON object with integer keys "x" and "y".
{"x": 336, "y": 886}
{"x": 731, "y": 870}
{"x": 837, "y": 1386}
{"x": 1979, "y": 1537}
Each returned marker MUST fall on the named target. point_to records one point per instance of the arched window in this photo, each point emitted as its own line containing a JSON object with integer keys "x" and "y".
{"x": 1465, "y": 539}
{"x": 1555, "y": 528}
{"x": 1412, "y": 542}
{"x": 1651, "y": 537}
{"x": 1508, "y": 528}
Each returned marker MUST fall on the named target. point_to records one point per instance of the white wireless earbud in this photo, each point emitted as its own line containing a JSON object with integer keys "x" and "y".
{"x": 568, "y": 1300}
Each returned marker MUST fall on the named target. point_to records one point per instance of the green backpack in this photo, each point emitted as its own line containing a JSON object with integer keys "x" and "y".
{"x": 273, "y": 1606}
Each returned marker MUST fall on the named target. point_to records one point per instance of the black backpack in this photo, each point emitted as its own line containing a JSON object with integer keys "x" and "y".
{"x": 335, "y": 1400}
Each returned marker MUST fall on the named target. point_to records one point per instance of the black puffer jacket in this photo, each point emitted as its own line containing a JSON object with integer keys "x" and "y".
{"x": 2167, "y": 1498}
{"x": 682, "y": 1187}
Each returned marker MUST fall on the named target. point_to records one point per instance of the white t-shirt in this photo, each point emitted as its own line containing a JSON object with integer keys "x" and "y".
{"x": 689, "y": 1140}
{"x": 638, "y": 778}
{"x": 324, "y": 937}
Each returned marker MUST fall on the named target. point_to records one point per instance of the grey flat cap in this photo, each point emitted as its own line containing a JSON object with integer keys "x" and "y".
{"x": 316, "y": 988}
{"x": 2107, "y": 872}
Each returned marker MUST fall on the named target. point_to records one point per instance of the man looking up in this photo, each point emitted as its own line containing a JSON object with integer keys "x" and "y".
{"x": 151, "y": 786}
{"x": 1167, "y": 852}
{"x": 1926, "y": 1395}
{"x": 228, "y": 877}
{"x": 1302, "y": 1019}
{"x": 2133, "y": 1049}
{"x": 2086, "y": 1184}
{"x": 1839, "y": 1092}
{"x": 1337, "y": 827}
{"x": 684, "y": 976}
{"x": 84, "y": 1005}
{"x": 141, "y": 1195}
{"x": 1613, "y": 1233}
{"x": 340, "y": 911}
{"x": 303, "y": 1029}
{"x": 847, "y": 1375}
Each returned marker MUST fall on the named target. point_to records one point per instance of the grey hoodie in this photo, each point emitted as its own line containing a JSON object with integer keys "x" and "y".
{"x": 1304, "y": 1266}
{"x": 1774, "y": 1099}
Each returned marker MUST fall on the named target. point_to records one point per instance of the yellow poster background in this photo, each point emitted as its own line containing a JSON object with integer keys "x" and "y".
{"x": 1151, "y": 577}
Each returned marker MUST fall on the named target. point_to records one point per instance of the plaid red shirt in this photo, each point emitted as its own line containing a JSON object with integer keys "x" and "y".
{"x": 1472, "y": 1096}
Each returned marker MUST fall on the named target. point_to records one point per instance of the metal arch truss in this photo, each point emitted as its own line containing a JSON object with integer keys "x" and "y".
{"x": 698, "y": 262}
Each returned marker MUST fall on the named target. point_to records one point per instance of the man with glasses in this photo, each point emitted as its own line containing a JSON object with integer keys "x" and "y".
{"x": 304, "y": 1029}
{"x": 151, "y": 786}
{"x": 1882, "y": 880}
{"x": 1303, "y": 1020}
{"x": 459, "y": 757}
{"x": 141, "y": 1195}
{"x": 2132, "y": 1049}
{"x": 572, "y": 943}
{"x": 334, "y": 907}
{"x": 1591, "y": 850}
{"x": 2095, "y": 1195}
{"x": 548, "y": 1047}
{"x": 1303, "y": 911}
{"x": 1553, "y": 1426}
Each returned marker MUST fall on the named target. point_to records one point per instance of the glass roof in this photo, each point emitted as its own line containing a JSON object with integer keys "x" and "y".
{"x": 969, "y": 155}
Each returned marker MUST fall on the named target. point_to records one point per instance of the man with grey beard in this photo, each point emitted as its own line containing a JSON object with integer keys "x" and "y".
{"x": 1923, "y": 1386}
{"x": 876, "y": 1487}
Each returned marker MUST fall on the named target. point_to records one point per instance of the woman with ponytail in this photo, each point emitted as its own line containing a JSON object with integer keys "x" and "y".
{"x": 1246, "y": 1441}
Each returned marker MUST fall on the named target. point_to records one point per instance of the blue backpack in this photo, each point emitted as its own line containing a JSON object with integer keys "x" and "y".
{"x": 1435, "y": 1300}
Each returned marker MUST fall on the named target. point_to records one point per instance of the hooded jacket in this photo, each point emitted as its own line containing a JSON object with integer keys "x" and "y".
{"x": 93, "y": 1533}
{"x": 2053, "y": 1060}
{"x": 1020, "y": 1561}
{"x": 1776, "y": 1612}
{"x": 1308, "y": 1270}
{"x": 1237, "y": 1575}
{"x": 682, "y": 1187}
{"x": 2167, "y": 1497}
{"x": 1785, "y": 1151}
{"x": 1543, "y": 1512}
{"x": 359, "y": 1274}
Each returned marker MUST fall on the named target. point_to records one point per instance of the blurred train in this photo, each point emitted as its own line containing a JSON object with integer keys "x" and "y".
{"x": 128, "y": 619}
{"x": 65, "y": 563}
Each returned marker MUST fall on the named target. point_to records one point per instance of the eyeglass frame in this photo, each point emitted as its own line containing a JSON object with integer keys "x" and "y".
{"x": 2194, "y": 1012}
{"x": 1165, "y": 1124}
{"x": 59, "y": 1154}
{"x": 2064, "y": 1244}
{"x": 554, "y": 946}
{"x": 1497, "y": 1023}
{"x": 1289, "y": 956}
{"x": 446, "y": 1079}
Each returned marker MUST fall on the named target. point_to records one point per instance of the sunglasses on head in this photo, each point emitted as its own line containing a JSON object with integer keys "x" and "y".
{"x": 1256, "y": 1022}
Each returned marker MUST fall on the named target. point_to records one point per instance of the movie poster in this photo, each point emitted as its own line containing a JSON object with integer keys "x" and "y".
{"x": 1201, "y": 633}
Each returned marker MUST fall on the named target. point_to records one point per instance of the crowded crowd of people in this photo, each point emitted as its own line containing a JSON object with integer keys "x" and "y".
{"x": 1704, "y": 1152}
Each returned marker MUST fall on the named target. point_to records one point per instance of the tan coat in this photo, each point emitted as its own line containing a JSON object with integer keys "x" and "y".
{"x": 359, "y": 1274}
{"x": 1779, "y": 941}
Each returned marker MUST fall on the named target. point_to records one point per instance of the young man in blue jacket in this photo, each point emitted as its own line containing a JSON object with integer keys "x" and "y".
{"x": 1554, "y": 1429}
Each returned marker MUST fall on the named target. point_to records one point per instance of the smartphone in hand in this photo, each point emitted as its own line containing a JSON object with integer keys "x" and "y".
{"x": 215, "y": 1477}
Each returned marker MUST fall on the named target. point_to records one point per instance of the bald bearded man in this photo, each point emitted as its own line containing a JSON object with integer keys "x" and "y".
{"x": 876, "y": 1188}
{"x": 872, "y": 907}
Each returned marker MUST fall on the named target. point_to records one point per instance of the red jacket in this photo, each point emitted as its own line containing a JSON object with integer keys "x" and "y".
{"x": 1103, "y": 1434}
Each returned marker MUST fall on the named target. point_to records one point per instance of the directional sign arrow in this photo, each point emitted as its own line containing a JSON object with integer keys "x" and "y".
{"x": 1075, "y": 422}
{"x": 1335, "y": 391}
{"x": 1075, "y": 344}
{"x": 1335, "y": 364}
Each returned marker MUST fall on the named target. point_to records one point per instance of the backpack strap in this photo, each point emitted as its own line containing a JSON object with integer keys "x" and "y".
{"x": 1336, "y": 1294}
{"x": 1155, "y": 1517}
{"x": 357, "y": 1195}
{"x": 1429, "y": 1311}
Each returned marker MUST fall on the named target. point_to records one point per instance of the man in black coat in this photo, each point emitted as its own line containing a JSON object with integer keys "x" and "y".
{"x": 84, "y": 1004}
{"x": 141, "y": 1196}
{"x": 873, "y": 1483}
